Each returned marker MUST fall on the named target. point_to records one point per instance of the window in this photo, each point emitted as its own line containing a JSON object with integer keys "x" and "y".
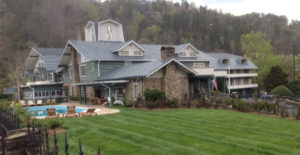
{"x": 137, "y": 53}
{"x": 225, "y": 61}
{"x": 92, "y": 67}
{"x": 53, "y": 93}
{"x": 192, "y": 54}
{"x": 126, "y": 63}
{"x": 182, "y": 54}
{"x": 82, "y": 71}
{"x": 50, "y": 77}
{"x": 198, "y": 65}
{"x": 109, "y": 32}
{"x": 244, "y": 61}
{"x": 124, "y": 53}
{"x": 135, "y": 91}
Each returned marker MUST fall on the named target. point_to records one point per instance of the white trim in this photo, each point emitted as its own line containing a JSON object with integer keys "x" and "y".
{"x": 133, "y": 90}
{"x": 103, "y": 21}
{"x": 100, "y": 82}
{"x": 193, "y": 47}
{"x": 80, "y": 73}
{"x": 182, "y": 65}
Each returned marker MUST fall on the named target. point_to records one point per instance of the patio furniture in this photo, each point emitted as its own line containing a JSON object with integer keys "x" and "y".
{"x": 89, "y": 112}
{"x": 71, "y": 111}
{"x": 51, "y": 113}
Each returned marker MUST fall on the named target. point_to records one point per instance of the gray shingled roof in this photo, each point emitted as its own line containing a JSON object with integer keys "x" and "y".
{"x": 136, "y": 70}
{"x": 234, "y": 61}
{"x": 10, "y": 90}
{"x": 103, "y": 50}
{"x": 51, "y": 57}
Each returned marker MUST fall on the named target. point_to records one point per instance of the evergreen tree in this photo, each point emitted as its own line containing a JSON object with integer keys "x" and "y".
{"x": 274, "y": 78}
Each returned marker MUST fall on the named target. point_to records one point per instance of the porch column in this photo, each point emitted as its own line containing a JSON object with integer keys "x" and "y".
{"x": 224, "y": 85}
{"x": 84, "y": 93}
{"x": 80, "y": 94}
{"x": 110, "y": 96}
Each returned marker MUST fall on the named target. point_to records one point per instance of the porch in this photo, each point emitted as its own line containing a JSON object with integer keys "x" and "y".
{"x": 105, "y": 91}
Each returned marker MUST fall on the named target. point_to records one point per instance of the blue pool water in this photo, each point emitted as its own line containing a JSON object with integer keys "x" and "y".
{"x": 42, "y": 110}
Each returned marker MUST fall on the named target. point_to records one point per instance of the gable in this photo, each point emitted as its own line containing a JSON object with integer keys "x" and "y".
{"x": 131, "y": 49}
{"x": 110, "y": 30}
{"x": 188, "y": 51}
{"x": 32, "y": 60}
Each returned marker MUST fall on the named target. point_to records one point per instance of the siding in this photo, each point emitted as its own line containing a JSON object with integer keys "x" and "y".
{"x": 91, "y": 74}
{"x": 106, "y": 66}
{"x": 66, "y": 75}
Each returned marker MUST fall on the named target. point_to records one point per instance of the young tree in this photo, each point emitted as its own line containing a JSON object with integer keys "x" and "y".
{"x": 274, "y": 78}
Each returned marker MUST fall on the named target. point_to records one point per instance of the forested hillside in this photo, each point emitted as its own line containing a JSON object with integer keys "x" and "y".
{"x": 50, "y": 23}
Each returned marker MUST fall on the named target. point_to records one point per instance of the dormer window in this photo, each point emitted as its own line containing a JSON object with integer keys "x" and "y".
{"x": 182, "y": 54}
{"x": 109, "y": 32}
{"x": 137, "y": 53}
{"x": 192, "y": 54}
{"x": 244, "y": 61}
{"x": 124, "y": 53}
{"x": 225, "y": 61}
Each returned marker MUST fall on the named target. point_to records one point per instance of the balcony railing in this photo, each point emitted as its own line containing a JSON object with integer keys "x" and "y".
{"x": 205, "y": 71}
{"x": 243, "y": 86}
{"x": 242, "y": 75}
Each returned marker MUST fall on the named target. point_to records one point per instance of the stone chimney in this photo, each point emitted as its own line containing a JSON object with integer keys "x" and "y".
{"x": 167, "y": 52}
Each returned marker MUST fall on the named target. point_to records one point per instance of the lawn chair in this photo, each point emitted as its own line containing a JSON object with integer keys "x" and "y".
{"x": 71, "y": 111}
{"x": 89, "y": 112}
{"x": 51, "y": 113}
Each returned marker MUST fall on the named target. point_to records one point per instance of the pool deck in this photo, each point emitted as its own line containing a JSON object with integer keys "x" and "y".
{"x": 100, "y": 110}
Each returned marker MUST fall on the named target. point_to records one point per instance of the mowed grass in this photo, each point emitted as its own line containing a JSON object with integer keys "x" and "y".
{"x": 182, "y": 131}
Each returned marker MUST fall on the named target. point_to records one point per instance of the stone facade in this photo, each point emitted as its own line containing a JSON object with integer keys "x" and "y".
{"x": 75, "y": 72}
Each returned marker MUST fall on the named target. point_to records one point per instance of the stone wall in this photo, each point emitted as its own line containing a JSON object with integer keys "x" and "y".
{"x": 75, "y": 71}
{"x": 129, "y": 88}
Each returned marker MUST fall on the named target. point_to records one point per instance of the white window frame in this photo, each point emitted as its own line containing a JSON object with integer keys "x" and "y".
{"x": 80, "y": 70}
{"x": 199, "y": 65}
{"x": 124, "y": 53}
{"x": 51, "y": 77}
{"x": 193, "y": 54}
{"x": 137, "y": 53}
{"x": 182, "y": 54}
{"x": 135, "y": 91}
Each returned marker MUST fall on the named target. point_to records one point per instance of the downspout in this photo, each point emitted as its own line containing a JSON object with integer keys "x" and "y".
{"x": 99, "y": 68}
{"x": 110, "y": 93}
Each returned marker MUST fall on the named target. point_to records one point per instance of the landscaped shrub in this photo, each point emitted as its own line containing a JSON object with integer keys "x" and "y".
{"x": 152, "y": 104}
{"x": 298, "y": 113}
{"x": 241, "y": 105}
{"x": 283, "y": 112}
{"x": 74, "y": 98}
{"x": 154, "y": 95}
{"x": 281, "y": 91}
{"x": 173, "y": 103}
{"x": 154, "y": 98}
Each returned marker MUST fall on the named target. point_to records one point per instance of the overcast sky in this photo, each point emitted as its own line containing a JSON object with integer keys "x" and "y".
{"x": 289, "y": 8}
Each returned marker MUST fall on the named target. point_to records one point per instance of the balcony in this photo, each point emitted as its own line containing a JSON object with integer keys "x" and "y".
{"x": 205, "y": 71}
{"x": 220, "y": 73}
{"x": 242, "y": 75}
{"x": 243, "y": 86}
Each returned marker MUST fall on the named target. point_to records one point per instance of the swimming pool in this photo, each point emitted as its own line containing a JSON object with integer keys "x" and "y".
{"x": 41, "y": 111}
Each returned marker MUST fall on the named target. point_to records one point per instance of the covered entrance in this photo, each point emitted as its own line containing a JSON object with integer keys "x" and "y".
{"x": 200, "y": 86}
{"x": 109, "y": 90}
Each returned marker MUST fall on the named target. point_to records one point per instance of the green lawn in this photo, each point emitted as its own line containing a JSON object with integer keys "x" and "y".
{"x": 183, "y": 131}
